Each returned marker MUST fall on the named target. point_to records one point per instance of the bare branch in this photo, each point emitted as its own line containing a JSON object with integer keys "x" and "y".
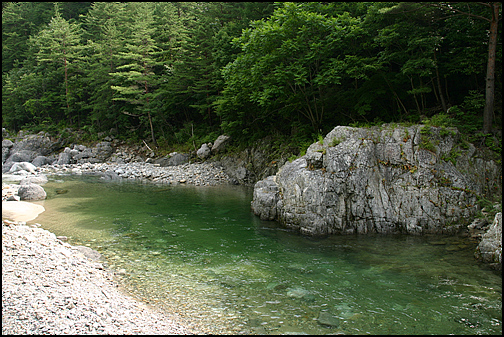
{"x": 130, "y": 114}
{"x": 461, "y": 12}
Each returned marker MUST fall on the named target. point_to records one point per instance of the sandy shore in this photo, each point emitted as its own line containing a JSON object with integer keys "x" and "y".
{"x": 20, "y": 210}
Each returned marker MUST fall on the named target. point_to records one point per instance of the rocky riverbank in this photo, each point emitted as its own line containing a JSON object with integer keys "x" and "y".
{"x": 199, "y": 174}
{"x": 50, "y": 287}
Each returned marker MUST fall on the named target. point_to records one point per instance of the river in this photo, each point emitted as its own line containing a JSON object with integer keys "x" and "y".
{"x": 200, "y": 252}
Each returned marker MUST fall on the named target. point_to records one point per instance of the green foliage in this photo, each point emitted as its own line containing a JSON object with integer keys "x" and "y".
{"x": 336, "y": 141}
{"x": 439, "y": 120}
{"x": 452, "y": 155}
{"x": 425, "y": 141}
{"x": 287, "y": 64}
{"x": 467, "y": 116}
{"x": 184, "y": 72}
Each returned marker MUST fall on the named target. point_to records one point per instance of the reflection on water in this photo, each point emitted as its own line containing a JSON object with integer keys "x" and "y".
{"x": 199, "y": 251}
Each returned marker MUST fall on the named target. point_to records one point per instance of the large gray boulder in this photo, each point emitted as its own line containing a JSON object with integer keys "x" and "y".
{"x": 220, "y": 143}
{"x": 65, "y": 157}
{"x": 40, "y": 161}
{"x": 31, "y": 192}
{"x": 98, "y": 154}
{"x": 26, "y": 148}
{"x": 23, "y": 166}
{"x": 377, "y": 180}
{"x": 6, "y": 148}
{"x": 102, "y": 151}
{"x": 204, "y": 151}
{"x": 489, "y": 249}
{"x": 173, "y": 160}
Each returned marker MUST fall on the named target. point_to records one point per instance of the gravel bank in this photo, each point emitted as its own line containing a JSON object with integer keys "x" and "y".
{"x": 199, "y": 174}
{"x": 50, "y": 287}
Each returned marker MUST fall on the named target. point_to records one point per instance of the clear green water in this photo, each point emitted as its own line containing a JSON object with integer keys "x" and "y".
{"x": 199, "y": 251}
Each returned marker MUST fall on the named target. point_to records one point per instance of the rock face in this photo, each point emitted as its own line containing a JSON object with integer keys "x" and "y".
{"x": 490, "y": 248}
{"x": 378, "y": 180}
{"x": 26, "y": 149}
{"x": 254, "y": 163}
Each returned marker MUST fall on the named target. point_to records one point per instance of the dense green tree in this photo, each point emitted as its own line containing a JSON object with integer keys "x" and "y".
{"x": 19, "y": 21}
{"x": 107, "y": 26}
{"x": 195, "y": 82}
{"x": 138, "y": 79}
{"x": 171, "y": 71}
{"x": 60, "y": 44}
{"x": 290, "y": 62}
{"x": 490, "y": 13}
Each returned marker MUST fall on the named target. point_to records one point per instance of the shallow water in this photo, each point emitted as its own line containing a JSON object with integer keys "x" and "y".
{"x": 199, "y": 251}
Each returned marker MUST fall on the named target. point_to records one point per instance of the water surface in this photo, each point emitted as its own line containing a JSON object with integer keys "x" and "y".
{"x": 200, "y": 252}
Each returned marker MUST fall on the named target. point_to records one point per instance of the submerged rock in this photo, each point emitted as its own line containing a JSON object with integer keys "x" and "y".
{"x": 326, "y": 318}
{"x": 88, "y": 252}
{"x": 297, "y": 292}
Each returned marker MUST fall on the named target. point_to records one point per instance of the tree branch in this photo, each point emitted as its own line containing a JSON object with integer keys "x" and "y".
{"x": 130, "y": 114}
{"x": 461, "y": 12}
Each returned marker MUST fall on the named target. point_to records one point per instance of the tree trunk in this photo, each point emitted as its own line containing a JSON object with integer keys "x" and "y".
{"x": 440, "y": 90}
{"x": 490, "y": 77}
{"x": 414, "y": 95}
{"x": 152, "y": 130}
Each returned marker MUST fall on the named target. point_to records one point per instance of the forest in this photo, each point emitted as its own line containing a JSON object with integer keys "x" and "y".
{"x": 184, "y": 72}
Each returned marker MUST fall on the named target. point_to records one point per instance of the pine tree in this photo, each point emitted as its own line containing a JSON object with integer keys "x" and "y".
{"x": 137, "y": 76}
{"x": 107, "y": 25}
{"x": 60, "y": 44}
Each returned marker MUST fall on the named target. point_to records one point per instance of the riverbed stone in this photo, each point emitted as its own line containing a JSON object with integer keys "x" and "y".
{"x": 327, "y": 318}
{"x": 50, "y": 288}
{"x": 174, "y": 159}
{"x": 23, "y": 166}
{"x": 89, "y": 253}
{"x": 38, "y": 179}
